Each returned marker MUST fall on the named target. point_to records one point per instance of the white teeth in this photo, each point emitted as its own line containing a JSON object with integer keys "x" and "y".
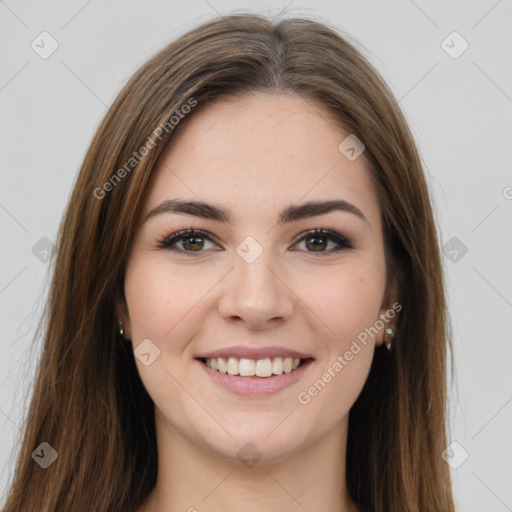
{"x": 223, "y": 365}
{"x": 247, "y": 367}
{"x": 264, "y": 367}
{"x": 277, "y": 365}
{"x": 233, "y": 366}
{"x": 250, "y": 367}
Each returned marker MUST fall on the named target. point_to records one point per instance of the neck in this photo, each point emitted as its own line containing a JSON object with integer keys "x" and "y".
{"x": 196, "y": 480}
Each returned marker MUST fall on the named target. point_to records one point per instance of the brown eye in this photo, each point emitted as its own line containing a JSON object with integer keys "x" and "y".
{"x": 316, "y": 243}
{"x": 189, "y": 241}
{"x": 318, "y": 240}
{"x": 192, "y": 243}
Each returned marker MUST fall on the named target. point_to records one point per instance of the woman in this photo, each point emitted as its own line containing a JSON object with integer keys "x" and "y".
{"x": 247, "y": 309}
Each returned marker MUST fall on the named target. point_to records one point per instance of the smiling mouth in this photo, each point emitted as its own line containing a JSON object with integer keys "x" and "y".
{"x": 267, "y": 367}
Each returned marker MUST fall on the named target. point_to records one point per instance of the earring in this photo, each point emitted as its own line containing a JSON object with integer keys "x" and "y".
{"x": 121, "y": 330}
{"x": 389, "y": 334}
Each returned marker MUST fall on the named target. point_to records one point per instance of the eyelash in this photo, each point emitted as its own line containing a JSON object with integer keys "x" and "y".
{"x": 169, "y": 241}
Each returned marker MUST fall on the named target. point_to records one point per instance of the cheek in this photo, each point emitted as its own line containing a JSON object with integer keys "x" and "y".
{"x": 347, "y": 303}
{"x": 349, "y": 308}
{"x": 335, "y": 387}
{"x": 161, "y": 299}
{"x": 164, "y": 304}
{"x": 346, "y": 300}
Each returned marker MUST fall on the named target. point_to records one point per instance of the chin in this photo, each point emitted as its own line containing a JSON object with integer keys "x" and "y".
{"x": 258, "y": 438}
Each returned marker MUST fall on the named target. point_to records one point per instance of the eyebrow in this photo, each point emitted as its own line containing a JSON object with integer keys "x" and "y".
{"x": 289, "y": 214}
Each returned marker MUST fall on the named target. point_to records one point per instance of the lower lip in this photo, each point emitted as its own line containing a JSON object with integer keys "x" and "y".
{"x": 256, "y": 386}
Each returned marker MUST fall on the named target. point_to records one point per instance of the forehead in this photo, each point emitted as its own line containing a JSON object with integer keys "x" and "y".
{"x": 259, "y": 152}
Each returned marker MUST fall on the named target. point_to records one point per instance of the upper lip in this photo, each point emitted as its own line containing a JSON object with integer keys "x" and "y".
{"x": 241, "y": 352}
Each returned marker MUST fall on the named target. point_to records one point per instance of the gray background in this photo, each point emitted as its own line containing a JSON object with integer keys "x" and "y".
{"x": 459, "y": 110}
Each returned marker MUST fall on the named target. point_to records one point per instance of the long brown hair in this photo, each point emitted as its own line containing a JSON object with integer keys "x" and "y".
{"x": 88, "y": 401}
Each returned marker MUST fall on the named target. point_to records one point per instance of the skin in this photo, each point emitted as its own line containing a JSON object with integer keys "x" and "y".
{"x": 255, "y": 155}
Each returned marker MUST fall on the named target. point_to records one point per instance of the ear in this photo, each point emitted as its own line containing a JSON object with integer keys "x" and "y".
{"x": 123, "y": 316}
{"x": 389, "y": 311}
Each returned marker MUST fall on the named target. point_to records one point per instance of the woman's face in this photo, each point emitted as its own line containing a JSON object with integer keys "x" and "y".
{"x": 253, "y": 292}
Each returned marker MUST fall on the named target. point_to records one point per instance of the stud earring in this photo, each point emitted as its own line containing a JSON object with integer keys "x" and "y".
{"x": 121, "y": 330}
{"x": 389, "y": 334}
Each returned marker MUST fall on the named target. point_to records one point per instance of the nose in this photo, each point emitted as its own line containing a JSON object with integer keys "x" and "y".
{"x": 256, "y": 294}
